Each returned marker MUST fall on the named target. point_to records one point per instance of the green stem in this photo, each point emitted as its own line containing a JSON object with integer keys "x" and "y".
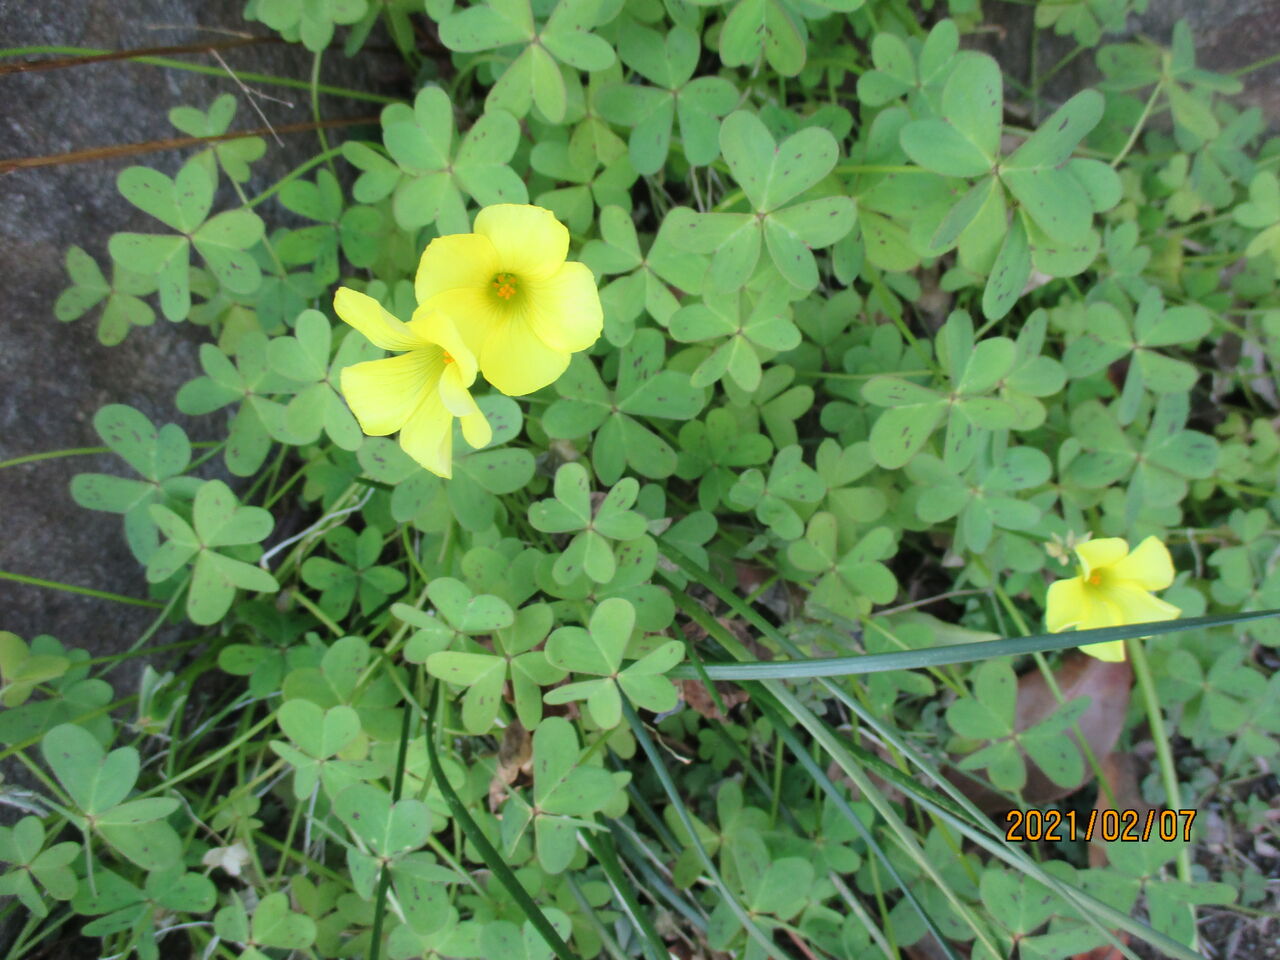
{"x": 1164, "y": 754}
{"x": 291, "y": 175}
{"x": 72, "y": 588}
{"x": 1137, "y": 127}
{"x": 316, "y": 612}
{"x": 1256, "y": 65}
{"x": 325, "y": 149}
{"x": 75, "y": 452}
{"x": 209, "y": 71}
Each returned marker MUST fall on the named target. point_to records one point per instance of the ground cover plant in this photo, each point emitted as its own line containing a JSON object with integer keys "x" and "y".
{"x": 699, "y": 479}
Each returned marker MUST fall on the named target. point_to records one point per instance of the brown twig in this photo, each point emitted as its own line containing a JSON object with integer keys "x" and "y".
{"x": 173, "y": 143}
{"x": 31, "y": 66}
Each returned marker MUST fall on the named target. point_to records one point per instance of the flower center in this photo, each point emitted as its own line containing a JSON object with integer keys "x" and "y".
{"x": 447, "y": 358}
{"x": 1095, "y": 578}
{"x": 504, "y": 285}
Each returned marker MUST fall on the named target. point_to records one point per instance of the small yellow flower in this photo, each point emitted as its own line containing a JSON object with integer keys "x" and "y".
{"x": 1113, "y": 588}
{"x": 521, "y": 309}
{"x": 418, "y": 392}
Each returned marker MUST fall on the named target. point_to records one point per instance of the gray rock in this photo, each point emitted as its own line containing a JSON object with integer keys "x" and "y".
{"x": 57, "y": 375}
{"x": 1229, "y": 35}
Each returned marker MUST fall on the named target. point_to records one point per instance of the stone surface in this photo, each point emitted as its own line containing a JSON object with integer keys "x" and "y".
{"x": 1229, "y": 35}
{"x": 58, "y": 375}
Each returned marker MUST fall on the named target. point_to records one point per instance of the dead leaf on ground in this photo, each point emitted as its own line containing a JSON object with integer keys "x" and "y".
{"x": 697, "y": 696}
{"x": 515, "y": 756}
{"x": 1120, "y": 771}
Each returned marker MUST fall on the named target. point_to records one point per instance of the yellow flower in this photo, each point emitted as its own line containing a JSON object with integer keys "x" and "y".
{"x": 1113, "y": 588}
{"x": 521, "y": 309}
{"x": 418, "y": 392}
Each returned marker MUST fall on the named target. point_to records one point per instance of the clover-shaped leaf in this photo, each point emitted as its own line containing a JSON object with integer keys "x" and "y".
{"x": 123, "y": 307}
{"x": 712, "y": 448}
{"x": 644, "y": 389}
{"x": 21, "y": 670}
{"x": 757, "y": 329}
{"x": 317, "y": 405}
{"x": 981, "y": 499}
{"x": 513, "y": 660}
{"x": 250, "y": 380}
{"x": 311, "y": 21}
{"x": 183, "y": 203}
{"x": 319, "y": 735}
{"x": 387, "y": 831}
{"x": 591, "y": 182}
{"x": 914, "y": 411}
{"x": 771, "y": 175}
{"x": 1109, "y": 336}
{"x": 357, "y": 575}
{"x": 23, "y": 846}
{"x": 593, "y": 527}
{"x": 160, "y": 457}
{"x": 1054, "y": 199}
{"x": 433, "y": 173}
{"x": 217, "y": 521}
{"x": 849, "y": 581}
{"x": 598, "y": 651}
{"x": 565, "y": 791}
{"x": 669, "y": 63}
{"x": 990, "y": 715}
{"x": 774, "y": 499}
{"x": 97, "y": 783}
{"x": 234, "y": 156}
{"x": 535, "y": 76}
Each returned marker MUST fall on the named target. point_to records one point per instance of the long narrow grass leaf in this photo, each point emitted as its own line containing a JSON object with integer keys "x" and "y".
{"x": 493, "y": 860}
{"x": 660, "y": 768}
{"x": 952, "y": 654}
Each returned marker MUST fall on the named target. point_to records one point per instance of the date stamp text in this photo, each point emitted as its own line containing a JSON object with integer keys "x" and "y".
{"x": 1129, "y": 825}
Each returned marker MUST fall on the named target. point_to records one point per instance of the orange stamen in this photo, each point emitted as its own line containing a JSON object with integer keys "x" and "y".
{"x": 447, "y": 357}
{"x": 504, "y": 285}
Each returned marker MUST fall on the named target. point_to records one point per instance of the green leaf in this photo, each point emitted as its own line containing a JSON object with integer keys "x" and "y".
{"x": 1009, "y": 275}
{"x": 772, "y": 174}
{"x": 181, "y": 203}
{"x": 276, "y": 926}
{"x": 95, "y": 780}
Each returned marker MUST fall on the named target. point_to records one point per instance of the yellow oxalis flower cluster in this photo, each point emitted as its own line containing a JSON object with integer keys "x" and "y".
{"x": 1113, "y": 588}
{"x": 502, "y": 301}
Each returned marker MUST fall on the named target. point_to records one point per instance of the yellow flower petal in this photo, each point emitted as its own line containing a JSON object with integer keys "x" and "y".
{"x": 1111, "y": 651}
{"x": 1066, "y": 604}
{"x": 436, "y": 327}
{"x": 474, "y": 313}
{"x": 564, "y": 310}
{"x": 476, "y": 429}
{"x": 1135, "y": 605}
{"x": 370, "y": 318}
{"x": 454, "y": 395}
{"x": 1095, "y": 554}
{"x": 516, "y": 361}
{"x": 530, "y": 241}
{"x": 428, "y": 436}
{"x": 456, "y": 260}
{"x": 1149, "y": 565}
{"x": 383, "y": 394}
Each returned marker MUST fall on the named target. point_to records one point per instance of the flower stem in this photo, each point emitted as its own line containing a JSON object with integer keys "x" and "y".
{"x": 1164, "y": 754}
{"x": 72, "y": 588}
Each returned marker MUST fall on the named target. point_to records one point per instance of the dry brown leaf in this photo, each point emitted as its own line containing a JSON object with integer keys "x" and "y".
{"x": 697, "y": 696}
{"x": 1120, "y": 771}
{"x": 515, "y": 757}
